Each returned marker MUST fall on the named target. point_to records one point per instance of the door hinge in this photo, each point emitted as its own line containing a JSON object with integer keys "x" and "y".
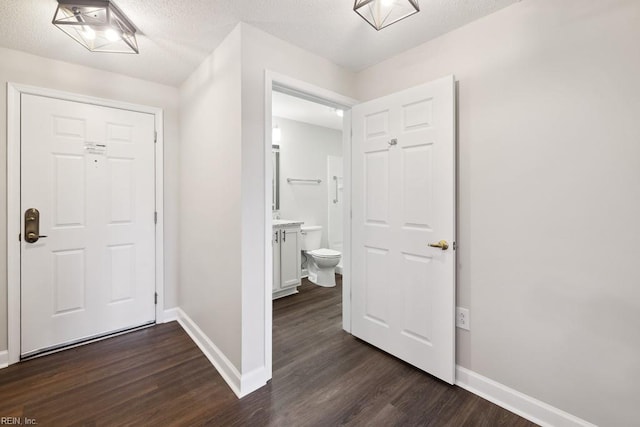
{"x": 155, "y": 217}
{"x": 19, "y": 237}
{"x": 155, "y": 136}
{"x": 155, "y": 298}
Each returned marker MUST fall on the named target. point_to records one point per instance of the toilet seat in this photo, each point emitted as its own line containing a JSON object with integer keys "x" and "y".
{"x": 324, "y": 253}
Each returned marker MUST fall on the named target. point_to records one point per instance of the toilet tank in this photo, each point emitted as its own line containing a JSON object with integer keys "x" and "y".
{"x": 311, "y": 237}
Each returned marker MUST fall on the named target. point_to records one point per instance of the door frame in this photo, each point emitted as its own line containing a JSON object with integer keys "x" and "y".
{"x": 14, "y": 92}
{"x": 322, "y": 95}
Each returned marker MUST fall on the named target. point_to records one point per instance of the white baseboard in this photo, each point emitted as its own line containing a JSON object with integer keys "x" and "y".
{"x": 516, "y": 402}
{"x": 240, "y": 384}
{"x": 224, "y": 367}
{"x": 251, "y": 381}
{"x": 170, "y": 315}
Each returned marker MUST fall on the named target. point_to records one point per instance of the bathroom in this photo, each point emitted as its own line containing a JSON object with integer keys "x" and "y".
{"x": 307, "y": 187}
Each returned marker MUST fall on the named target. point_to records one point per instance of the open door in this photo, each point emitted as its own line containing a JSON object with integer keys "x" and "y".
{"x": 403, "y": 225}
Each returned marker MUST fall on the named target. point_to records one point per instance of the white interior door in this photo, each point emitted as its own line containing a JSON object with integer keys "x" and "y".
{"x": 403, "y": 199}
{"x": 89, "y": 171}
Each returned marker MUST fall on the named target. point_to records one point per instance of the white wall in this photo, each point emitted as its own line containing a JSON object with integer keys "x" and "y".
{"x": 210, "y": 189}
{"x": 548, "y": 205}
{"x": 22, "y": 68}
{"x": 303, "y": 154}
{"x": 223, "y": 200}
{"x": 260, "y": 52}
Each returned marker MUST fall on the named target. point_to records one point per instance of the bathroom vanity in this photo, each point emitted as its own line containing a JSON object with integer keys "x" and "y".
{"x": 285, "y": 241}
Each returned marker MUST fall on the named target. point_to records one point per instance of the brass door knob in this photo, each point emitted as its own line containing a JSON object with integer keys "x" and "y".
{"x": 442, "y": 244}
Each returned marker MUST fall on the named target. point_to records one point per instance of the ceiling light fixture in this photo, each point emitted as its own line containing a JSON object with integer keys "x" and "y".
{"x": 382, "y": 13}
{"x": 97, "y": 25}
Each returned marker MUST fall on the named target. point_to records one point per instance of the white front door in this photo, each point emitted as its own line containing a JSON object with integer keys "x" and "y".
{"x": 89, "y": 172}
{"x": 403, "y": 199}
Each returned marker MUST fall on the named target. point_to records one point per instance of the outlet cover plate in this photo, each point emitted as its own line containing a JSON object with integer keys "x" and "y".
{"x": 462, "y": 318}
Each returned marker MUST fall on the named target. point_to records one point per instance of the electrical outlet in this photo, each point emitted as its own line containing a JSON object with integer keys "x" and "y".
{"x": 462, "y": 318}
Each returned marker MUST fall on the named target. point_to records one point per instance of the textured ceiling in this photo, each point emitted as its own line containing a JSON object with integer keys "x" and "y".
{"x": 176, "y": 35}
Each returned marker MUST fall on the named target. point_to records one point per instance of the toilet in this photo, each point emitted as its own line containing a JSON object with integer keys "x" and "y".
{"x": 321, "y": 262}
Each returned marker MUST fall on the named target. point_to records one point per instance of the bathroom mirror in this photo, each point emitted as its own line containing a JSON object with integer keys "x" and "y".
{"x": 275, "y": 180}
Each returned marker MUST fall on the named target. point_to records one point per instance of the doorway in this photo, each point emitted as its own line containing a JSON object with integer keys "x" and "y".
{"x": 399, "y": 187}
{"x": 86, "y": 262}
{"x": 308, "y": 164}
{"x": 334, "y": 104}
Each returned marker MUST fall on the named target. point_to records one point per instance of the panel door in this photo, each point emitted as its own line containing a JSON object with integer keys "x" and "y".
{"x": 89, "y": 171}
{"x": 403, "y": 200}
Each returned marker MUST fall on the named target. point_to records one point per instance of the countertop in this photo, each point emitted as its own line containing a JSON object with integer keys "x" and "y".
{"x": 286, "y": 222}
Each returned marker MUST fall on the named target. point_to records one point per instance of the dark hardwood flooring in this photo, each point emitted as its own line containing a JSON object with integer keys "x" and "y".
{"x": 322, "y": 377}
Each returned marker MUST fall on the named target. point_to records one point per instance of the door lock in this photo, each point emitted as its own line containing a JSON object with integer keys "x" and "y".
{"x": 32, "y": 225}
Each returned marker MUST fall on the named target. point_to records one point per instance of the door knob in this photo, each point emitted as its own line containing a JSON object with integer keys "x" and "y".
{"x": 442, "y": 244}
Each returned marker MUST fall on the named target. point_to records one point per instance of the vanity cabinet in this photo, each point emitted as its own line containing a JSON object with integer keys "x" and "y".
{"x": 286, "y": 243}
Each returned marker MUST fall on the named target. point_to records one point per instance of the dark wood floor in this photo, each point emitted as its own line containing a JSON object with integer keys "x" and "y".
{"x": 322, "y": 377}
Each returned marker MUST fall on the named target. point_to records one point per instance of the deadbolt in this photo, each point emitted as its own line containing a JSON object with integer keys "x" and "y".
{"x": 32, "y": 225}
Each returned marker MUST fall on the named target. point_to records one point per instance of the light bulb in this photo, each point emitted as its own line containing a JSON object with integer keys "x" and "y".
{"x": 112, "y": 35}
{"x": 387, "y": 3}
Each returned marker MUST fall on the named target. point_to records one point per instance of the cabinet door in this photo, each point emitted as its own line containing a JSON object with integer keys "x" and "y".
{"x": 289, "y": 257}
{"x": 275, "y": 244}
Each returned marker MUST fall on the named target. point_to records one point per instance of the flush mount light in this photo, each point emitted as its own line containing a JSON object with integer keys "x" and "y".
{"x": 382, "y": 13}
{"x": 97, "y": 25}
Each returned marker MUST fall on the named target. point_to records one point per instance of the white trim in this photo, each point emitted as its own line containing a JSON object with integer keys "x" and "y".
{"x": 159, "y": 169}
{"x": 268, "y": 226}
{"x": 241, "y": 385}
{"x": 519, "y": 403}
{"x": 4, "y": 359}
{"x": 14, "y": 92}
{"x": 217, "y": 358}
{"x": 251, "y": 381}
{"x": 345, "y": 270}
{"x": 307, "y": 88}
{"x": 13, "y": 223}
{"x": 170, "y": 315}
{"x": 316, "y": 92}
